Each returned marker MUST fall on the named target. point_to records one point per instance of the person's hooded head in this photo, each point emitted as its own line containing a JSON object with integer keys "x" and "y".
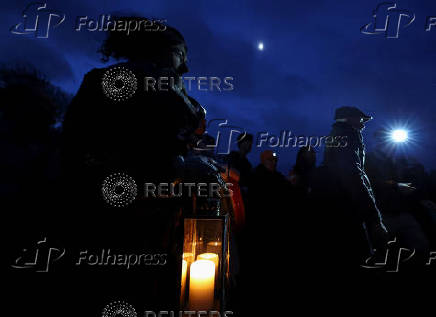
{"x": 269, "y": 160}
{"x": 306, "y": 159}
{"x": 245, "y": 142}
{"x": 352, "y": 116}
{"x": 148, "y": 41}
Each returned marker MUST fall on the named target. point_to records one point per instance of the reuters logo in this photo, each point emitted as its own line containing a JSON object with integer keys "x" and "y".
{"x": 119, "y": 83}
{"x": 119, "y": 190}
{"x": 119, "y": 308}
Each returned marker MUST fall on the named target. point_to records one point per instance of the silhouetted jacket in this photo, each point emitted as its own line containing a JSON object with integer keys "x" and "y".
{"x": 345, "y": 163}
{"x": 141, "y": 135}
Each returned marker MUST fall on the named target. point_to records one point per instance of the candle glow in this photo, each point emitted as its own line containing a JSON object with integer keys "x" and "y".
{"x": 201, "y": 285}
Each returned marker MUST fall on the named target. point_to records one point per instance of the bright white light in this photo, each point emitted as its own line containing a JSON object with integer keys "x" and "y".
{"x": 399, "y": 136}
{"x": 260, "y": 46}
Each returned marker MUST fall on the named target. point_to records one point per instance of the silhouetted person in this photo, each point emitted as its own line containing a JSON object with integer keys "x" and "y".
{"x": 269, "y": 197}
{"x": 301, "y": 173}
{"x": 144, "y": 135}
{"x": 30, "y": 107}
{"x": 357, "y": 215}
{"x": 267, "y": 183}
{"x": 29, "y": 142}
{"x": 239, "y": 161}
{"x": 240, "y": 170}
{"x": 270, "y": 230}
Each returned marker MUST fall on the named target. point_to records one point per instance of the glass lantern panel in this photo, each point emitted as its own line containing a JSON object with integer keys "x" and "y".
{"x": 203, "y": 263}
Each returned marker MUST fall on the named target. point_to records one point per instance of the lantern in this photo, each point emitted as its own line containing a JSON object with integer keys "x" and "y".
{"x": 205, "y": 263}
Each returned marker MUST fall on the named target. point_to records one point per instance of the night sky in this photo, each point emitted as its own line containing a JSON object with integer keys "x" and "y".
{"x": 314, "y": 59}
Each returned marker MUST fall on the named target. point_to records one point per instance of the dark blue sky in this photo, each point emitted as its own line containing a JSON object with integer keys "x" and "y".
{"x": 314, "y": 60}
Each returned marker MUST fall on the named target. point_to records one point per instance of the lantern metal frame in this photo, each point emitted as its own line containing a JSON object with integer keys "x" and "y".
{"x": 223, "y": 270}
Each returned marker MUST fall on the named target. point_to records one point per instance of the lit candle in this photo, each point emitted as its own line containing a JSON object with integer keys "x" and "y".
{"x": 211, "y": 257}
{"x": 184, "y": 271}
{"x": 214, "y": 247}
{"x": 201, "y": 285}
{"x": 188, "y": 257}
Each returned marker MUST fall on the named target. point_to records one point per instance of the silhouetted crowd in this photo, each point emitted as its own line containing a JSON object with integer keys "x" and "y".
{"x": 404, "y": 191}
{"x": 315, "y": 220}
